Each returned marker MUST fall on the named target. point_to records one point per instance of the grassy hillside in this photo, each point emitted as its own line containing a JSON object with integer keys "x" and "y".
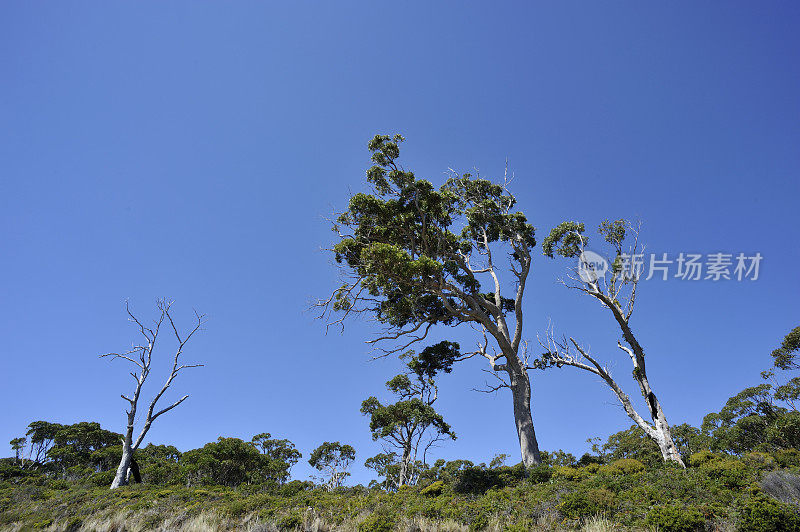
{"x": 716, "y": 492}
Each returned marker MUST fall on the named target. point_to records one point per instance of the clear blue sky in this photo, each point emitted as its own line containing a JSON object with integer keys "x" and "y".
{"x": 192, "y": 149}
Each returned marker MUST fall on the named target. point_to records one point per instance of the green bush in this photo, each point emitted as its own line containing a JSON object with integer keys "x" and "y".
{"x": 104, "y": 478}
{"x": 294, "y": 487}
{"x": 570, "y": 473}
{"x": 671, "y": 518}
{"x": 509, "y": 475}
{"x": 540, "y": 474}
{"x": 787, "y": 457}
{"x": 582, "y": 504}
{"x": 759, "y": 461}
{"x": 623, "y": 466}
{"x": 434, "y": 489}
{"x": 699, "y": 458}
{"x": 592, "y": 467}
{"x": 762, "y": 514}
{"x": 291, "y": 521}
{"x": 476, "y": 480}
{"x": 378, "y": 522}
{"x": 480, "y": 521}
{"x": 732, "y": 473}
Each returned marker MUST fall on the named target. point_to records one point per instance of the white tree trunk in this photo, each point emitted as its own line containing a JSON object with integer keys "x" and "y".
{"x": 404, "y": 466}
{"x": 121, "y": 478}
{"x": 521, "y": 395}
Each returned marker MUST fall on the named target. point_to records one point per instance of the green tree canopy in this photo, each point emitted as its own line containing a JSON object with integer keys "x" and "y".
{"x": 332, "y": 459}
{"x": 415, "y": 256}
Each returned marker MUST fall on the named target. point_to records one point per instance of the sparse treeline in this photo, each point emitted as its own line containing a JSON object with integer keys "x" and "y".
{"x": 762, "y": 420}
{"x": 416, "y": 257}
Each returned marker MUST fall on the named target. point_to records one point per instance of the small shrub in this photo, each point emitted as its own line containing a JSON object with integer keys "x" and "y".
{"x": 151, "y": 522}
{"x": 236, "y": 508}
{"x": 623, "y": 466}
{"x": 762, "y": 514}
{"x": 759, "y": 461}
{"x": 671, "y": 518}
{"x": 569, "y": 473}
{"x": 701, "y": 457}
{"x": 732, "y": 473}
{"x": 59, "y": 484}
{"x": 540, "y": 474}
{"x": 294, "y": 487}
{"x": 583, "y": 504}
{"x": 378, "y": 522}
{"x": 509, "y": 475}
{"x": 480, "y": 521}
{"x": 476, "y": 480}
{"x": 587, "y": 459}
{"x": 104, "y": 478}
{"x": 787, "y": 457}
{"x": 434, "y": 489}
{"x": 592, "y": 467}
{"x": 291, "y": 521}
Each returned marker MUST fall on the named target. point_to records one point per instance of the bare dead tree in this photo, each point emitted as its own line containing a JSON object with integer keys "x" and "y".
{"x": 141, "y": 356}
{"x": 616, "y": 291}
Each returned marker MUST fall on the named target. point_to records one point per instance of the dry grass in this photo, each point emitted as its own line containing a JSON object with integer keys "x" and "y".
{"x": 599, "y": 523}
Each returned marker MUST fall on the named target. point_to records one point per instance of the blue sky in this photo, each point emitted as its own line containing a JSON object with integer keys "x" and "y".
{"x": 192, "y": 150}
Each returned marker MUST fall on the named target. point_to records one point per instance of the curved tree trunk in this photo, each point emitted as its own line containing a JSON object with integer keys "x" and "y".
{"x": 521, "y": 393}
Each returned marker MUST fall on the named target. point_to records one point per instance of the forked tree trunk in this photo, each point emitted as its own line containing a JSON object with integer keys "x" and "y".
{"x": 660, "y": 431}
{"x": 521, "y": 394}
{"x": 121, "y": 478}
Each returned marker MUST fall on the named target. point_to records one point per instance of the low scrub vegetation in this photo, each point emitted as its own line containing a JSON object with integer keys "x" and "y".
{"x": 718, "y": 493}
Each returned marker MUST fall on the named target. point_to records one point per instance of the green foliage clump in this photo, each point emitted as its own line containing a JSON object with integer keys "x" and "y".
{"x": 435, "y": 489}
{"x": 570, "y": 473}
{"x": 762, "y": 514}
{"x": 540, "y": 474}
{"x": 758, "y": 460}
{"x": 232, "y": 461}
{"x": 69, "y": 451}
{"x": 631, "y": 443}
{"x": 479, "y": 479}
{"x": 378, "y": 522}
{"x": 785, "y": 357}
{"x": 623, "y": 466}
{"x": 291, "y": 521}
{"x": 701, "y": 457}
{"x": 673, "y": 518}
{"x": 730, "y": 472}
{"x": 102, "y": 478}
{"x": 787, "y": 457}
{"x": 566, "y": 239}
{"x": 581, "y": 504}
{"x": 558, "y": 458}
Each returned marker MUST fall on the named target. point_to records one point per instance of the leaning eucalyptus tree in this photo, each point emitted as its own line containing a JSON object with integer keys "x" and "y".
{"x": 414, "y": 257}
{"x": 141, "y": 356}
{"x": 618, "y": 294}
